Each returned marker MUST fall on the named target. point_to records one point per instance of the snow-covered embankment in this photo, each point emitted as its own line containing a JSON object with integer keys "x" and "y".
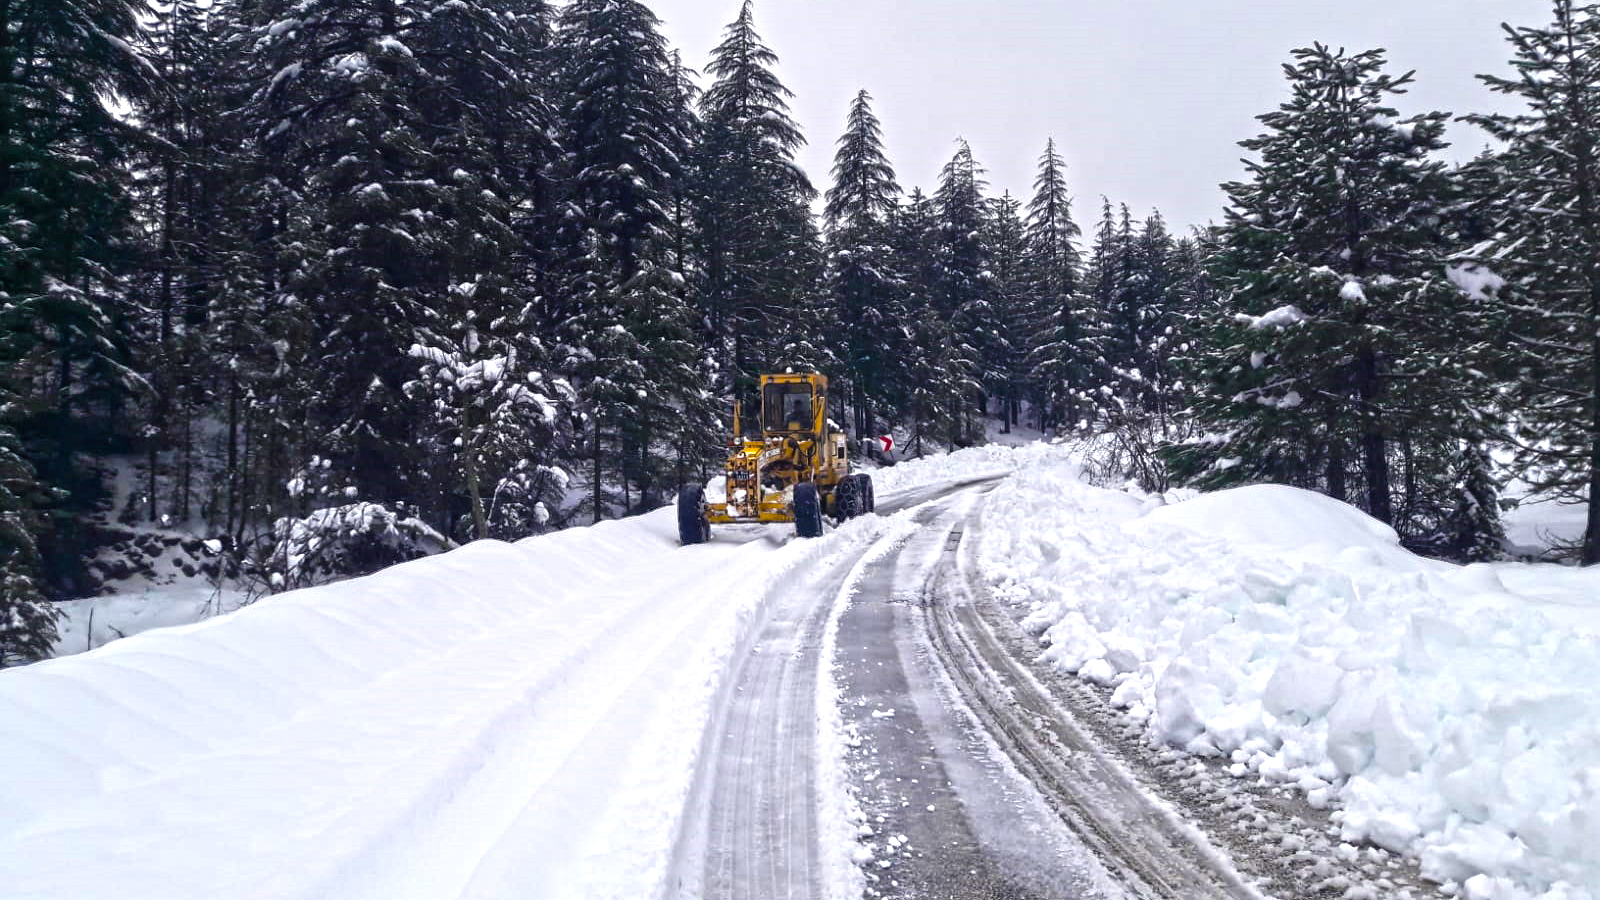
{"x": 1448, "y": 712}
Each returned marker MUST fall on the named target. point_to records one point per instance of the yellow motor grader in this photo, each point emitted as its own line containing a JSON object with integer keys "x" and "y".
{"x": 796, "y": 471}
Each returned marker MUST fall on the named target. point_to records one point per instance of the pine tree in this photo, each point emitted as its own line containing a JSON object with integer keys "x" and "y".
{"x": 626, "y": 339}
{"x": 185, "y": 174}
{"x": 501, "y": 419}
{"x": 1056, "y": 359}
{"x": 864, "y": 285}
{"x": 934, "y": 386}
{"x": 1102, "y": 294}
{"x": 760, "y": 247}
{"x": 963, "y": 291}
{"x": 1015, "y": 307}
{"x": 403, "y": 151}
{"x": 864, "y": 189}
{"x": 66, "y": 241}
{"x": 1154, "y": 300}
{"x": 1342, "y": 341}
{"x": 27, "y": 619}
{"x": 1543, "y": 212}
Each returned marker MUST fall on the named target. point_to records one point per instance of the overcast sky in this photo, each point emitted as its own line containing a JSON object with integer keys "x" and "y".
{"x": 1146, "y": 99}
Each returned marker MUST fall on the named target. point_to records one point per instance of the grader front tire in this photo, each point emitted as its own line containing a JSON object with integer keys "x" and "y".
{"x": 693, "y": 526}
{"x": 807, "y": 510}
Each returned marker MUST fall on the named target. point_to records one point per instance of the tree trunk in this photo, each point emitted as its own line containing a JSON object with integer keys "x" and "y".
{"x": 150, "y": 491}
{"x": 1374, "y": 446}
{"x": 480, "y": 523}
{"x": 186, "y": 484}
{"x": 597, "y": 492}
{"x": 231, "y": 516}
{"x": 1336, "y": 483}
{"x": 1591, "y": 532}
{"x": 245, "y": 487}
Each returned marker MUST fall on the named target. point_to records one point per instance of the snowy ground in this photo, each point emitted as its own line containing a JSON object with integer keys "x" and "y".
{"x": 96, "y": 621}
{"x": 530, "y": 718}
{"x": 1446, "y": 712}
{"x": 500, "y": 715}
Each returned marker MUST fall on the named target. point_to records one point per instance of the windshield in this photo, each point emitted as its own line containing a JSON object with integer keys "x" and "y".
{"x": 786, "y": 407}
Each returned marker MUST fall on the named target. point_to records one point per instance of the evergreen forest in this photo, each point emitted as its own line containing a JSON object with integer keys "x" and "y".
{"x": 328, "y": 283}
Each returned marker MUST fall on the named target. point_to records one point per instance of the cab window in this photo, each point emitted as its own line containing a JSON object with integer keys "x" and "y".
{"x": 786, "y": 407}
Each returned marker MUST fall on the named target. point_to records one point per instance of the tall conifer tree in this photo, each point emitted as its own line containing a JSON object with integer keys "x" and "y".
{"x": 865, "y": 287}
{"x": 1335, "y": 351}
{"x": 1543, "y": 212}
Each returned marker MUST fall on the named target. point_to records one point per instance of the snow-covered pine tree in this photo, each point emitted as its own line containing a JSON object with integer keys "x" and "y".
{"x": 1472, "y": 528}
{"x": 864, "y": 188}
{"x": 963, "y": 291}
{"x": 339, "y": 121}
{"x": 501, "y": 419}
{"x": 700, "y": 436}
{"x": 399, "y": 146}
{"x": 1543, "y": 214}
{"x": 181, "y": 180}
{"x": 759, "y": 245}
{"x": 935, "y": 385}
{"x": 1056, "y": 359}
{"x": 1102, "y": 293}
{"x": 1016, "y": 309}
{"x": 66, "y": 239}
{"x": 27, "y": 619}
{"x": 1342, "y": 339}
{"x": 866, "y": 290}
{"x": 626, "y": 335}
{"x": 1153, "y": 301}
{"x": 1124, "y": 316}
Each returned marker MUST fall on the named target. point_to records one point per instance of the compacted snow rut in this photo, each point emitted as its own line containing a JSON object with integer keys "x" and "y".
{"x": 753, "y": 830}
{"x": 753, "y": 827}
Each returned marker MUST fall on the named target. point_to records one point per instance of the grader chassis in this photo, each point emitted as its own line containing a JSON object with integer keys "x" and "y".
{"x": 797, "y": 471}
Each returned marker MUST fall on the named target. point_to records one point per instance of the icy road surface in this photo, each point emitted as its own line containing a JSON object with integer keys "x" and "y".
{"x": 1254, "y": 693}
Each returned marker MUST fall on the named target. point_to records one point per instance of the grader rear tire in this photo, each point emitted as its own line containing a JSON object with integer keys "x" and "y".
{"x": 847, "y": 499}
{"x": 869, "y": 501}
{"x": 807, "y": 510}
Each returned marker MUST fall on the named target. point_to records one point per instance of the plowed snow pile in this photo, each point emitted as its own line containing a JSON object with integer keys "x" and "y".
{"x": 1447, "y": 712}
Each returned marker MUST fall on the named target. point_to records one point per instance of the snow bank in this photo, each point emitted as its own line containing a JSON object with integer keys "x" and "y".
{"x": 987, "y": 461}
{"x": 1447, "y": 712}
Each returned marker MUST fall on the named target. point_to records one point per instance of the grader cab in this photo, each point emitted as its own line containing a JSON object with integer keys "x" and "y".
{"x": 796, "y": 471}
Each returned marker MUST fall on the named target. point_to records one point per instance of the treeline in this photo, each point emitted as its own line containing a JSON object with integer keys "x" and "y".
{"x": 471, "y": 269}
{"x": 487, "y": 267}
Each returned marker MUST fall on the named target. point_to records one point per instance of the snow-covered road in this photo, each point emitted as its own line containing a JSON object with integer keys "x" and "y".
{"x": 601, "y": 713}
{"x": 505, "y": 719}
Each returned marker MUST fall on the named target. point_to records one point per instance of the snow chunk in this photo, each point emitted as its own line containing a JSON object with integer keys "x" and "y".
{"x": 1282, "y": 317}
{"x": 1475, "y": 281}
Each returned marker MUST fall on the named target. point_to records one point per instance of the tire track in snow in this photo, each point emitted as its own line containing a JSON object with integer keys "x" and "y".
{"x": 753, "y": 829}
{"x": 1152, "y": 850}
{"x": 945, "y": 818}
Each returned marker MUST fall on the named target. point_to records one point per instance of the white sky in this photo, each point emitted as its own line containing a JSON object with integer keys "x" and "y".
{"x": 1146, "y": 99}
